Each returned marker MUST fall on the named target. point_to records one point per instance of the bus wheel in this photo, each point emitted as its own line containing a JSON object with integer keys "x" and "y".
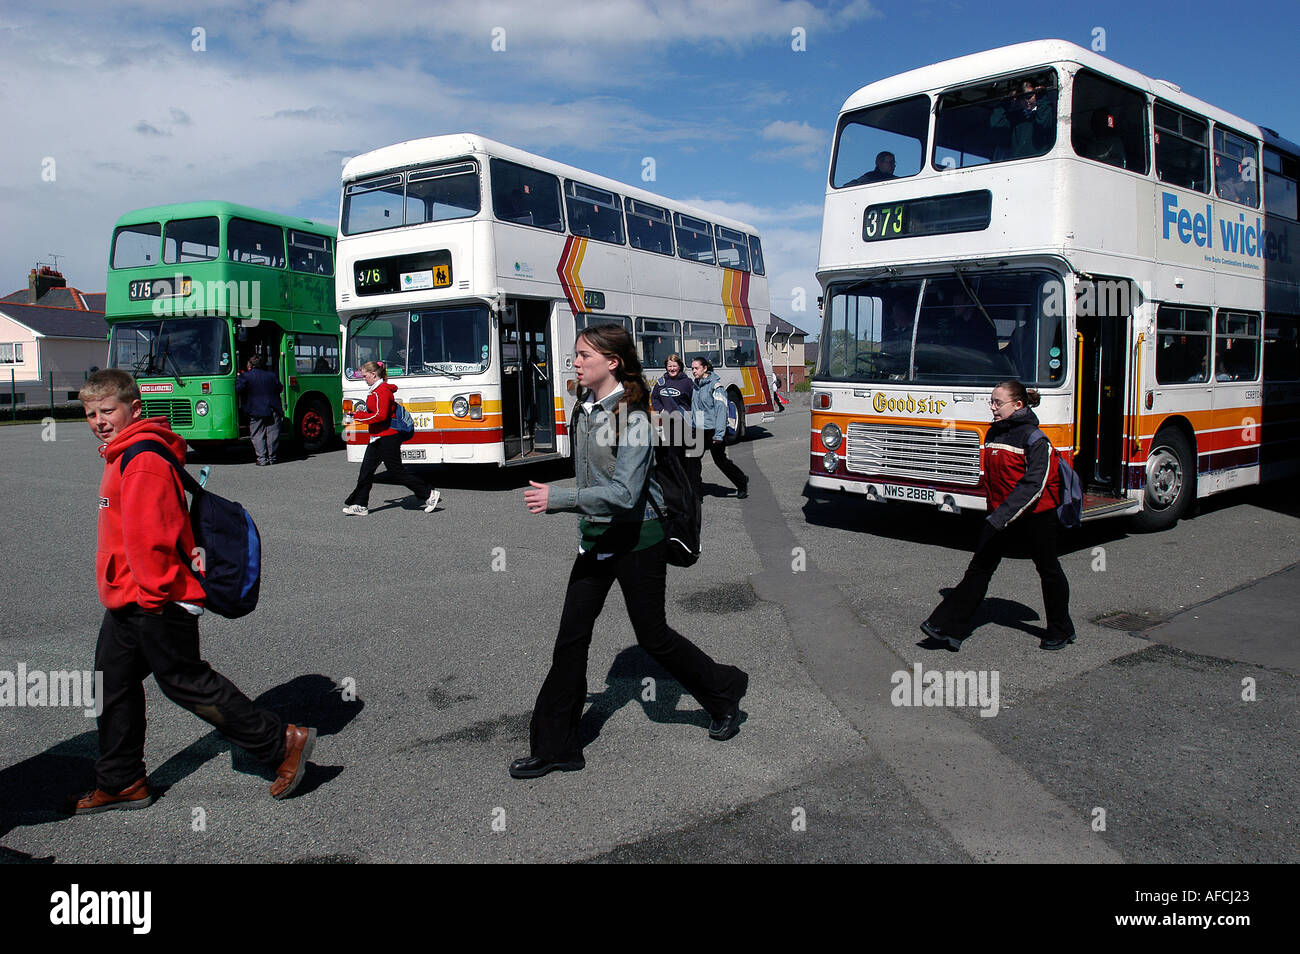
{"x": 1171, "y": 481}
{"x": 314, "y": 429}
{"x": 735, "y": 417}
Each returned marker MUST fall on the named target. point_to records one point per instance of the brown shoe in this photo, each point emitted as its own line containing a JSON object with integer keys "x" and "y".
{"x": 298, "y": 743}
{"x": 135, "y": 795}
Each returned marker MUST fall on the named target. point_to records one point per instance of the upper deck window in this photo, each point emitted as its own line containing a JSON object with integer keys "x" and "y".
{"x": 593, "y": 213}
{"x": 881, "y": 142}
{"x": 733, "y": 248}
{"x": 1236, "y": 168}
{"x": 756, "y": 255}
{"x": 431, "y": 194}
{"x": 1108, "y": 122}
{"x": 439, "y": 193}
{"x": 136, "y": 245}
{"x": 525, "y": 196}
{"x": 1182, "y": 148}
{"x": 255, "y": 243}
{"x": 192, "y": 240}
{"x": 648, "y": 227}
{"x": 694, "y": 239}
{"x": 1012, "y": 118}
{"x": 1281, "y": 174}
{"x": 312, "y": 254}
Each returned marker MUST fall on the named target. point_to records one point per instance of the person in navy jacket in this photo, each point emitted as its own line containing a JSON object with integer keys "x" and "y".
{"x": 259, "y": 398}
{"x": 1023, "y": 484}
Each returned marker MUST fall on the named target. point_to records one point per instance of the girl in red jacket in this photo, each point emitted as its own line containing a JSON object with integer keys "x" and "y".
{"x": 385, "y": 445}
{"x": 1020, "y": 472}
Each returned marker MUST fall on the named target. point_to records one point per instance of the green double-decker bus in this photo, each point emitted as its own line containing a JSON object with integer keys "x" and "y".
{"x": 197, "y": 288}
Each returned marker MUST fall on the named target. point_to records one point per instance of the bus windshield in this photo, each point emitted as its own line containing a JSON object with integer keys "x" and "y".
{"x": 970, "y": 330}
{"x": 439, "y": 341}
{"x": 180, "y": 346}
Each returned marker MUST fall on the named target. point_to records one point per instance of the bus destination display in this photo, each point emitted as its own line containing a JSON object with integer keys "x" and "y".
{"x": 422, "y": 270}
{"x": 936, "y": 215}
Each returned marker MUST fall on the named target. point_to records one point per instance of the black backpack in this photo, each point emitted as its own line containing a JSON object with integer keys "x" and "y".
{"x": 683, "y": 518}
{"x": 232, "y": 548}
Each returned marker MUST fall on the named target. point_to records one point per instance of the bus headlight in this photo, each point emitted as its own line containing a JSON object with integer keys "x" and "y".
{"x": 201, "y": 409}
{"x": 831, "y": 437}
{"x": 460, "y": 405}
{"x": 830, "y": 462}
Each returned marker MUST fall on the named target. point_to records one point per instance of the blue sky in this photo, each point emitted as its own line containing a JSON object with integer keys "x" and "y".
{"x": 734, "y": 117}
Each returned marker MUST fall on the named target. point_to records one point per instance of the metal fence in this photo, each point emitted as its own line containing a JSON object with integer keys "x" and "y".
{"x": 22, "y": 397}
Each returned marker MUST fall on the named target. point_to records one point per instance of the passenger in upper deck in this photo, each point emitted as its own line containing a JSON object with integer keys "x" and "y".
{"x": 1025, "y": 124}
{"x": 1105, "y": 145}
{"x": 884, "y": 170}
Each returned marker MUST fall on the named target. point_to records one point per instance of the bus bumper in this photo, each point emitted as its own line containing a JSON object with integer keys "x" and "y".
{"x": 883, "y": 491}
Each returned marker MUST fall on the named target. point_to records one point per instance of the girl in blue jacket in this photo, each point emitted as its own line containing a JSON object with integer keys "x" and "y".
{"x": 709, "y": 403}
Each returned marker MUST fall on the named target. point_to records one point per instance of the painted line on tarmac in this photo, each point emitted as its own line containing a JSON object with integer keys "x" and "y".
{"x": 989, "y": 804}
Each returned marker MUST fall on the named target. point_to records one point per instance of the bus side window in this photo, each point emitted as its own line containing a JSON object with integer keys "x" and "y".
{"x": 1108, "y": 122}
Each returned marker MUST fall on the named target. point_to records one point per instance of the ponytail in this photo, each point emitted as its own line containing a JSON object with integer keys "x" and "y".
{"x": 1029, "y": 397}
{"x": 376, "y": 367}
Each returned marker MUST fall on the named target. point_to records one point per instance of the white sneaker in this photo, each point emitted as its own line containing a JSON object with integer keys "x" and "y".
{"x": 355, "y": 510}
{"x": 431, "y": 504}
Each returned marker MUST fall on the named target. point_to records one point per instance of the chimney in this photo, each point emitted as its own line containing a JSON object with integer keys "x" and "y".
{"x": 41, "y": 281}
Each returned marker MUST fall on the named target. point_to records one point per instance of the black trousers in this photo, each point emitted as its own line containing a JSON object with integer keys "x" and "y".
{"x": 641, "y": 575}
{"x": 132, "y": 644}
{"x": 386, "y": 450}
{"x": 718, "y": 448}
{"x": 1038, "y": 530}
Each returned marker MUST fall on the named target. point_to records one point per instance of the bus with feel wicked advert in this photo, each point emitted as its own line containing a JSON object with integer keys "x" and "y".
{"x": 195, "y": 289}
{"x": 469, "y": 267}
{"x": 1042, "y": 213}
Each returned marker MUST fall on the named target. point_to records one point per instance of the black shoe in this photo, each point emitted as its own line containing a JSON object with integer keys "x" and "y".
{"x": 722, "y": 729}
{"x": 951, "y": 643}
{"x": 742, "y": 492}
{"x": 534, "y": 767}
{"x": 1053, "y": 644}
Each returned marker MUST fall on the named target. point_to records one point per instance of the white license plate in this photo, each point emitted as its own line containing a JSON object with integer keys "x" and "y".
{"x": 413, "y": 454}
{"x": 914, "y": 494}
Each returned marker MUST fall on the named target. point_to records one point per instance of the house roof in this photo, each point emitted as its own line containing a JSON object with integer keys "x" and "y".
{"x": 780, "y": 326}
{"x": 57, "y": 322}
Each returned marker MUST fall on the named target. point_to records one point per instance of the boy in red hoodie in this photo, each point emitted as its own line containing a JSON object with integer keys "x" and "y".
{"x": 153, "y": 600}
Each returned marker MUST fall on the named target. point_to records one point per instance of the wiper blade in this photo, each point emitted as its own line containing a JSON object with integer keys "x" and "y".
{"x": 971, "y": 294}
{"x": 434, "y": 369}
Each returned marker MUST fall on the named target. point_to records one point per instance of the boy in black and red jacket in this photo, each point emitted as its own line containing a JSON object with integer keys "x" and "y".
{"x": 153, "y": 600}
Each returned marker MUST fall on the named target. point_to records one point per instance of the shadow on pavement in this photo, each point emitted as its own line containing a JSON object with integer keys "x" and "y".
{"x": 38, "y": 790}
{"x": 916, "y": 523}
{"x": 624, "y": 684}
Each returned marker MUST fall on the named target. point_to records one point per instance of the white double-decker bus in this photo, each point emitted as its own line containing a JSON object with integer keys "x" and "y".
{"x": 1039, "y": 212}
{"x": 469, "y": 267}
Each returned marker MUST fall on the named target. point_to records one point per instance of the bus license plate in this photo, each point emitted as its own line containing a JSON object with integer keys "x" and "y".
{"x": 915, "y": 494}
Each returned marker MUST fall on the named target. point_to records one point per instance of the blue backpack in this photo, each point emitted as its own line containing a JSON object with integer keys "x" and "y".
{"x": 1070, "y": 510}
{"x": 231, "y": 568}
{"x": 401, "y": 421}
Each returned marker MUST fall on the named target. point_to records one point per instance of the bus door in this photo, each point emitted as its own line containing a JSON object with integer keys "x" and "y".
{"x": 1103, "y": 317}
{"x": 527, "y": 373}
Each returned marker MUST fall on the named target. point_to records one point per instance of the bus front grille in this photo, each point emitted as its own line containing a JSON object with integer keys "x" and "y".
{"x": 178, "y": 413}
{"x": 943, "y": 455}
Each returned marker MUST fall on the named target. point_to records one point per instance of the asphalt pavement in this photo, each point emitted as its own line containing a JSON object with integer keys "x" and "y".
{"x": 416, "y": 644}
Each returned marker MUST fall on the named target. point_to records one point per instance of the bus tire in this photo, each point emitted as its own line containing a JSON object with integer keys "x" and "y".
{"x": 1170, "y": 484}
{"x": 313, "y": 429}
{"x": 735, "y": 406}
